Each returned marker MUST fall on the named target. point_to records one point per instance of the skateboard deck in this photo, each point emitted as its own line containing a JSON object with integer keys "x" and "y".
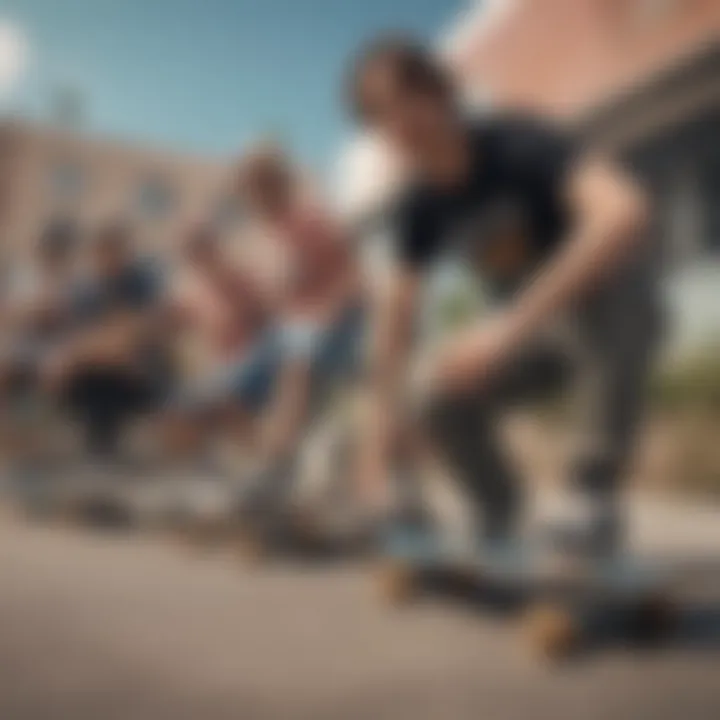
{"x": 563, "y": 599}
{"x": 107, "y": 498}
{"x": 526, "y": 563}
{"x": 301, "y": 531}
{"x": 276, "y": 515}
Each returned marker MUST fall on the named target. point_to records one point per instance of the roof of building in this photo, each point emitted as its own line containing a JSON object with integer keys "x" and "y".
{"x": 567, "y": 56}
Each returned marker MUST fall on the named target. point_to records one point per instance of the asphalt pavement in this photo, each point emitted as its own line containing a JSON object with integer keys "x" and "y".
{"x": 105, "y": 627}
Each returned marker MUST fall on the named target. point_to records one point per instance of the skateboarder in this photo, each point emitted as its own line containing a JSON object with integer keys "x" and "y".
{"x": 557, "y": 236}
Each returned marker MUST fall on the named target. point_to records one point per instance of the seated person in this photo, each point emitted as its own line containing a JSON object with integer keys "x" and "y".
{"x": 35, "y": 319}
{"x": 226, "y": 312}
{"x": 37, "y": 308}
{"x": 112, "y": 367}
{"x": 321, "y": 310}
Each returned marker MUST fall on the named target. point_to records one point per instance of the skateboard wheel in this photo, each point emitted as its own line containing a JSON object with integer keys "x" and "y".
{"x": 553, "y": 630}
{"x": 652, "y": 619}
{"x": 397, "y": 582}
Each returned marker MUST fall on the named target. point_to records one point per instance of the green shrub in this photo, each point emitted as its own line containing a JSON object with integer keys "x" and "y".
{"x": 693, "y": 385}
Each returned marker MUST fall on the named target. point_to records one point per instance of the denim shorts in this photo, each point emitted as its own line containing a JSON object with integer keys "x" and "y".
{"x": 245, "y": 380}
{"x": 331, "y": 352}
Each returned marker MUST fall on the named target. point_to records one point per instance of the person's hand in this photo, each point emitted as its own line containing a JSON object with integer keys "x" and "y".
{"x": 371, "y": 466}
{"x": 470, "y": 357}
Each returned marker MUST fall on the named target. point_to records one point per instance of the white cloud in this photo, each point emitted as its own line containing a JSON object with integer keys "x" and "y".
{"x": 14, "y": 51}
{"x": 366, "y": 177}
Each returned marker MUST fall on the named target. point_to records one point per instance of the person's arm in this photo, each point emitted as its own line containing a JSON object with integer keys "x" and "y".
{"x": 415, "y": 231}
{"x": 390, "y": 344}
{"x": 610, "y": 212}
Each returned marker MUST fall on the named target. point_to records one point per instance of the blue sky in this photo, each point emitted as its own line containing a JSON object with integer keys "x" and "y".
{"x": 207, "y": 75}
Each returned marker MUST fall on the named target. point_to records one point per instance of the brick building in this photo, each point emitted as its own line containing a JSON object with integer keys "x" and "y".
{"x": 47, "y": 173}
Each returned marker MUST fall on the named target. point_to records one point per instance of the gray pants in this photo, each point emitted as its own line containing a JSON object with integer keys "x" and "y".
{"x": 602, "y": 355}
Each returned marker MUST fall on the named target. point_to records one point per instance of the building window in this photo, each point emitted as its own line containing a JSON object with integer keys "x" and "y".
{"x": 67, "y": 180}
{"x": 154, "y": 200}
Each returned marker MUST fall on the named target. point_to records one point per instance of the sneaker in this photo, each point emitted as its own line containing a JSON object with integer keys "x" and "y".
{"x": 587, "y": 526}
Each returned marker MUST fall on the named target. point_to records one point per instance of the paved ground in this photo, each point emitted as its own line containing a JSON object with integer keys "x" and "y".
{"x": 138, "y": 629}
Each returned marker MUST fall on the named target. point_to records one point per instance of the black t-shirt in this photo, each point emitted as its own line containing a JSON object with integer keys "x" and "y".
{"x": 509, "y": 214}
{"x": 137, "y": 288}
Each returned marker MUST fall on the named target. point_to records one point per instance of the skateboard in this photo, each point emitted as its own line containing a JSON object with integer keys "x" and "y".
{"x": 122, "y": 499}
{"x": 309, "y": 510}
{"x": 90, "y": 499}
{"x": 296, "y": 530}
{"x": 563, "y": 602}
{"x": 190, "y": 507}
{"x": 73, "y": 501}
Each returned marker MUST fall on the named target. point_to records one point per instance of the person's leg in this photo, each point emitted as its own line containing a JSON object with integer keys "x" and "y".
{"x": 187, "y": 420}
{"x": 295, "y": 370}
{"x": 104, "y": 399}
{"x": 226, "y": 402}
{"x": 315, "y": 360}
{"x": 91, "y": 396}
{"x": 239, "y": 425}
{"x": 331, "y": 451}
{"x": 286, "y": 411}
{"x": 463, "y": 431}
{"x": 143, "y": 398}
{"x": 267, "y": 393}
{"x": 340, "y": 349}
{"x": 619, "y": 330}
{"x": 211, "y": 405}
{"x": 248, "y": 389}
